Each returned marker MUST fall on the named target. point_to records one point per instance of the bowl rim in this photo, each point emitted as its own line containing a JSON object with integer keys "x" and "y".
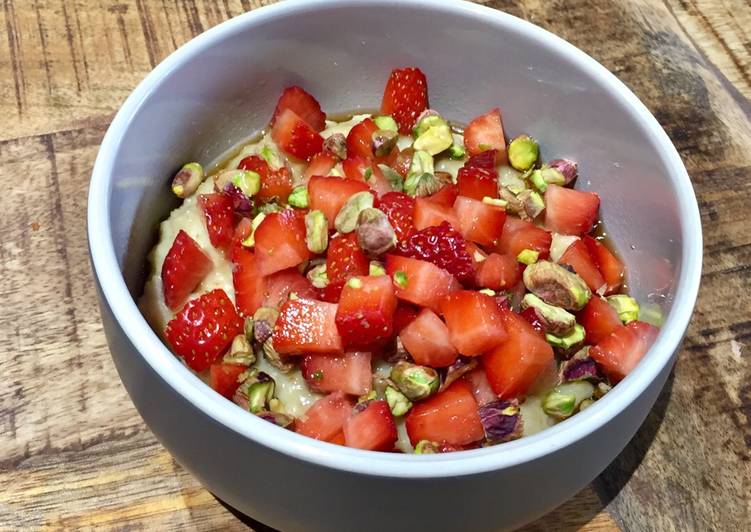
{"x": 192, "y": 389}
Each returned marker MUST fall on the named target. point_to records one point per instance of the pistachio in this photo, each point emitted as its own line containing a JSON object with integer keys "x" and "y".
{"x": 400, "y": 279}
{"x": 513, "y": 205}
{"x": 457, "y": 152}
{"x": 374, "y": 232}
{"x": 241, "y": 352}
{"x": 554, "y": 320}
{"x": 354, "y": 282}
{"x": 575, "y": 337}
{"x": 372, "y": 395}
{"x": 495, "y": 202}
{"x": 397, "y": 401}
{"x": 427, "y": 447}
{"x": 523, "y": 152}
{"x": 626, "y": 307}
{"x": 277, "y": 418}
{"x": 268, "y": 208}
{"x": 416, "y": 382}
{"x": 346, "y": 220}
{"x": 375, "y": 268}
{"x": 601, "y": 389}
{"x": 246, "y": 181}
{"x": 386, "y": 122}
{"x": 579, "y": 367}
{"x": 459, "y": 368}
{"x": 420, "y": 175}
{"x": 559, "y": 244}
{"x": 316, "y": 231}
{"x": 487, "y": 292}
{"x": 501, "y": 420}
{"x": 556, "y": 285}
{"x": 271, "y": 156}
{"x": 540, "y": 179}
{"x": 566, "y": 167}
{"x": 318, "y": 277}
{"x": 427, "y": 119}
{"x": 187, "y": 180}
{"x": 433, "y": 135}
{"x": 392, "y": 176}
{"x": 511, "y": 179}
{"x": 559, "y": 405}
{"x": 383, "y": 141}
{"x": 651, "y": 313}
{"x": 251, "y": 241}
{"x": 299, "y": 197}
{"x": 263, "y": 323}
{"x": 336, "y": 144}
{"x": 273, "y": 358}
{"x": 528, "y": 256}
{"x": 532, "y": 204}
{"x": 586, "y": 404}
{"x": 260, "y": 393}
{"x": 248, "y": 328}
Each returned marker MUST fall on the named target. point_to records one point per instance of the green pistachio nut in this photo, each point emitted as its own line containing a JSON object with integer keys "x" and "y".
{"x": 433, "y": 135}
{"x": 398, "y": 403}
{"x": 318, "y": 277}
{"x": 601, "y": 389}
{"x": 528, "y": 256}
{"x": 427, "y": 119}
{"x": 354, "y": 282}
{"x": 375, "y": 236}
{"x": 487, "y": 292}
{"x": 248, "y": 182}
{"x": 393, "y": 177}
{"x": 376, "y": 268}
{"x": 187, "y": 180}
{"x": 268, "y": 208}
{"x": 538, "y": 181}
{"x": 272, "y": 356}
{"x": 523, "y": 152}
{"x": 532, "y": 204}
{"x": 271, "y": 156}
{"x": 556, "y": 285}
{"x": 555, "y": 320}
{"x": 316, "y": 231}
{"x": 626, "y": 307}
{"x": 240, "y": 352}
{"x": 513, "y": 205}
{"x": 457, "y": 152}
{"x": 251, "y": 240}
{"x": 260, "y": 393}
{"x": 248, "y": 326}
{"x": 495, "y": 202}
{"x": 370, "y": 396}
{"x": 574, "y": 338}
{"x": 419, "y": 175}
{"x": 386, "y": 122}
{"x": 559, "y": 405}
{"x": 383, "y": 141}
{"x": 552, "y": 176}
{"x": 426, "y": 447}
{"x": 346, "y": 220}
{"x": 263, "y": 323}
{"x": 511, "y": 179}
{"x": 559, "y": 244}
{"x": 416, "y": 382}
{"x": 336, "y": 144}
{"x": 586, "y": 404}
{"x": 651, "y": 313}
{"x": 400, "y": 279}
{"x": 299, "y": 197}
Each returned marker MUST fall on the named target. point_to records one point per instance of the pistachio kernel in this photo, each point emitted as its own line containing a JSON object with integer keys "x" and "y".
{"x": 260, "y": 392}
{"x": 422, "y": 164}
{"x": 627, "y": 307}
{"x": 398, "y": 403}
{"x": 435, "y": 138}
{"x": 248, "y": 328}
{"x": 383, "y": 142}
{"x": 555, "y": 320}
{"x": 393, "y": 177}
{"x": 316, "y": 231}
{"x": 523, "y": 152}
{"x": 567, "y": 168}
{"x": 422, "y": 184}
{"x": 556, "y": 285}
{"x": 346, "y": 220}
{"x": 575, "y": 337}
{"x": 457, "y": 152}
{"x": 538, "y": 181}
{"x": 263, "y": 323}
{"x": 318, "y": 277}
{"x": 386, "y": 122}
{"x": 426, "y": 447}
{"x": 247, "y": 181}
{"x": 375, "y": 268}
{"x": 240, "y": 352}
{"x": 299, "y": 197}
{"x": 487, "y": 291}
{"x": 336, "y": 144}
{"x": 586, "y": 404}
{"x": 251, "y": 240}
{"x": 513, "y": 205}
{"x": 495, "y": 202}
{"x": 273, "y": 357}
{"x": 187, "y": 180}
{"x": 532, "y": 204}
{"x": 528, "y": 256}
{"x": 414, "y": 381}
{"x": 368, "y": 397}
{"x": 559, "y": 405}
{"x": 400, "y": 279}
{"x": 510, "y": 179}
{"x": 427, "y": 119}
{"x": 354, "y": 282}
{"x": 501, "y": 420}
{"x": 559, "y": 244}
{"x": 268, "y": 208}
{"x": 374, "y": 232}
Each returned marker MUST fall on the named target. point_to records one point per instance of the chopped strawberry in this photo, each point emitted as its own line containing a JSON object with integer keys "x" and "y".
{"x": 183, "y": 269}
{"x": 248, "y": 282}
{"x": 256, "y": 164}
{"x": 332, "y": 291}
{"x": 203, "y": 329}
{"x": 223, "y": 378}
{"x": 279, "y": 286}
{"x": 477, "y": 254}
{"x": 599, "y": 319}
{"x": 610, "y": 267}
{"x": 280, "y": 241}
{"x": 275, "y": 183}
{"x": 577, "y": 256}
{"x": 519, "y": 235}
{"x": 306, "y": 327}
{"x": 498, "y": 272}
{"x": 428, "y": 213}
{"x": 365, "y": 316}
{"x": 220, "y": 219}
{"x": 303, "y": 104}
{"x": 350, "y": 373}
{"x": 337, "y": 439}
{"x": 569, "y": 211}
{"x": 515, "y": 365}
{"x": 321, "y": 164}
{"x": 449, "y": 417}
{"x": 484, "y": 160}
{"x": 446, "y": 196}
{"x": 345, "y": 259}
{"x": 371, "y": 428}
{"x": 360, "y": 139}
{"x": 405, "y": 97}
{"x": 399, "y": 208}
{"x": 444, "y": 247}
{"x": 478, "y": 221}
{"x": 533, "y": 319}
{"x": 474, "y": 322}
{"x": 427, "y": 340}
{"x": 325, "y": 418}
{"x": 424, "y": 284}
{"x": 295, "y": 137}
{"x": 403, "y": 316}
{"x": 329, "y": 194}
{"x": 619, "y": 352}
{"x": 486, "y": 133}
{"x": 362, "y": 169}
{"x": 478, "y": 382}
{"x": 477, "y": 183}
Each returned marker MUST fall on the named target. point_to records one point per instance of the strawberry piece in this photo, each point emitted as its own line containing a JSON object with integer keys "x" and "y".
{"x": 442, "y": 246}
{"x": 220, "y": 219}
{"x": 486, "y": 133}
{"x": 427, "y": 340}
{"x": 329, "y": 194}
{"x": 569, "y": 211}
{"x": 362, "y": 169}
{"x": 275, "y": 183}
{"x": 332, "y": 291}
{"x": 223, "y": 378}
{"x": 371, "y": 428}
{"x": 248, "y": 282}
{"x": 519, "y": 235}
{"x": 428, "y": 213}
{"x": 478, "y": 221}
{"x": 405, "y": 97}
{"x": 203, "y": 329}
{"x": 360, "y": 139}
{"x": 280, "y": 241}
{"x": 350, "y": 373}
{"x": 449, "y": 417}
{"x": 577, "y": 256}
{"x": 476, "y": 183}
{"x": 478, "y": 382}
{"x": 403, "y": 316}
{"x": 337, "y": 439}
{"x": 599, "y": 319}
{"x": 474, "y": 322}
{"x": 303, "y": 104}
{"x": 279, "y": 286}
{"x": 426, "y": 283}
{"x": 345, "y": 259}
{"x": 325, "y": 418}
{"x": 533, "y": 319}
{"x": 295, "y": 137}
{"x": 366, "y": 312}
{"x": 446, "y": 196}
{"x": 619, "y": 352}
{"x": 484, "y": 160}
{"x": 321, "y": 164}
{"x": 184, "y": 267}
{"x": 498, "y": 272}
{"x": 306, "y": 327}
{"x": 399, "y": 209}
{"x": 610, "y": 267}
{"x": 514, "y": 366}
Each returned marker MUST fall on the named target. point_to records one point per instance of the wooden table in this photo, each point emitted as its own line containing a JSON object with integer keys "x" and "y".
{"x": 73, "y": 451}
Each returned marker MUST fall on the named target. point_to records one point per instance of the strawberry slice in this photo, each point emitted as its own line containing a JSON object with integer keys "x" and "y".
{"x": 446, "y": 196}
{"x": 203, "y": 329}
{"x": 486, "y": 133}
{"x": 306, "y": 327}
{"x": 223, "y": 378}
{"x": 350, "y": 373}
{"x": 427, "y": 340}
{"x": 184, "y": 267}
{"x": 478, "y": 382}
{"x": 449, "y": 417}
{"x": 498, "y": 272}
{"x": 599, "y": 319}
{"x": 363, "y": 169}
{"x": 442, "y": 246}
{"x": 533, "y": 319}
{"x": 514, "y": 366}
{"x": 569, "y": 211}
{"x": 278, "y": 287}
{"x": 321, "y": 164}
{"x": 399, "y": 208}
{"x": 345, "y": 259}
{"x": 360, "y": 139}
{"x": 620, "y": 351}
{"x": 484, "y": 160}
{"x": 428, "y": 213}
{"x": 248, "y": 282}
{"x": 403, "y": 316}
{"x": 478, "y": 221}
{"x": 365, "y": 316}
{"x": 329, "y": 194}
{"x": 405, "y": 97}
{"x": 280, "y": 241}
{"x": 519, "y": 235}
{"x": 474, "y": 322}
{"x": 424, "y": 284}
{"x": 220, "y": 219}
{"x": 325, "y": 418}
{"x": 476, "y": 183}
{"x": 295, "y": 137}
{"x": 303, "y": 104}
{"x": 610, "y": 267}
{"x": 371, "y": 428}
{"x": 332, "y": 291}
{"x": 577, "y": 256}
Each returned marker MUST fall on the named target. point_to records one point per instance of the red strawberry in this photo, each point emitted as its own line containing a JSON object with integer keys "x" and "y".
{"x": 405, "y": 97}
{"x": 620, "y": 351}
{"x": 280, "y": 241}
{"x": 610, "y": 267}
{"x": 204, "y": 329}
{"x": 371, "y": 428}
{"x": 403, "y": 316}
{"x": 275, "y": 183}
{"x": 365, "y": 315}
{"x": 248, "y": 282}
{"x": 486, "y": 133}
{"x": 399, "y": 208}
{"x": 360, "y": 139}
{"x": 474, "y": 322}
{"x": 363, "y": 169}
{"x": 569, "y": 211}
{"x": 325, "y": 418}
{"x": 498, "y": 272}
{"x": 424, "y": 284}
{"x": 449, "y": 416}
{"x": 350, "y": 373}
{"x": 519, "y": 235}
{"x": 446, "y": 196}
{"x": 223, "y": 378}
{"x": 321, "y": 164}
{"x": 577, "y": 256}
{"x": 303, "y": 104}
{"x": 533, "y": 319}
{"x": 427, "y": 340}
{"x": 279, "y": 286}
{"x": 428, "y": 213}
{"x": 478, "y": 221}
{"x": 345, "y": 259}
{"x": 484, "y": 160}
{"x": 295, "y": 137}
{"x": 476, "y": 183}
{"x": 329, "y": 194}
{"x": 599, "y": 319}
{"x": 183, "y": 269}
{"x": 442, "y": 246}
{"x": 306, "y": 327}
{"x": 220, "y": 219}
{"x": 332, "y": 291}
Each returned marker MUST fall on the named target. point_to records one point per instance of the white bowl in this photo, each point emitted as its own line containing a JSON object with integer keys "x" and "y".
{"x": 223, "y": 85}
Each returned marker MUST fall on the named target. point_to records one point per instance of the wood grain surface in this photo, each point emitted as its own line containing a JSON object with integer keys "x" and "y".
{"x": 74, "y": 454}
